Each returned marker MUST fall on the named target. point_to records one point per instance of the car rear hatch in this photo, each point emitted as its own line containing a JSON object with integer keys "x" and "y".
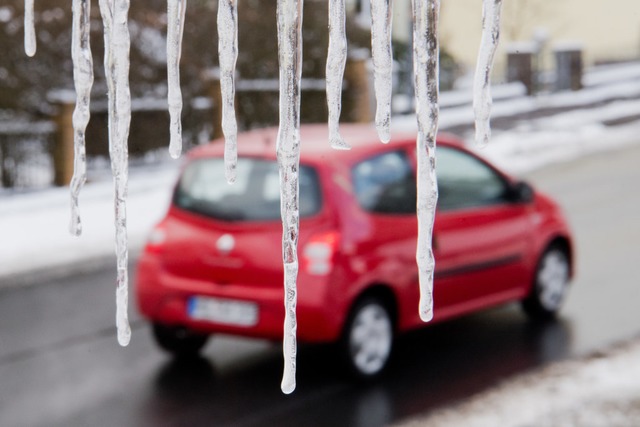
{"x": 231, "y": 234}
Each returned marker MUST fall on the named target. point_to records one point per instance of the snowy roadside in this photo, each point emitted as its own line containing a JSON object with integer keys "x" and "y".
{"x": 35, "y": 226}
{"x": 601, "y": 390}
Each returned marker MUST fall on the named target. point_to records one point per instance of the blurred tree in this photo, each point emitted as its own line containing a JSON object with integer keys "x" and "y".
{"x": 403, "y": 55}
{"x": 25, "y": 82}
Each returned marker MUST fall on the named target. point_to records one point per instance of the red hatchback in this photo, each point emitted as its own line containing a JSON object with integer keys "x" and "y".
{"x": 214, "y": 263}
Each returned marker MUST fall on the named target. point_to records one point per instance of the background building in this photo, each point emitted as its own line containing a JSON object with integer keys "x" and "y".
{"x": 607, "y": 31}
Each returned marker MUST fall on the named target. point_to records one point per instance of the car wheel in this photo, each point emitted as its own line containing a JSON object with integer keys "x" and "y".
{"x": 551, "y": 285}
{"x": 179, "y": 341}
{"x": 368, "y": 338}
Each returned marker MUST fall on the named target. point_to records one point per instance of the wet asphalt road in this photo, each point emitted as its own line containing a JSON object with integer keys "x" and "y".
{"x": 60, "y": 364}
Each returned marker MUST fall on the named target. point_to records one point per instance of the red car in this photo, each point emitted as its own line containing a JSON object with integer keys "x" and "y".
{"x": 214, "y": 263}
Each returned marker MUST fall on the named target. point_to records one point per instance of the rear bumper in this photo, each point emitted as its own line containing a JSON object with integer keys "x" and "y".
{"x": 163, "y": 298}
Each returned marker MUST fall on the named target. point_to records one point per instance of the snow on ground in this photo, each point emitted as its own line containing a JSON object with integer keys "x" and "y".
{"x": 35, "y": 226}
{"x": 600, "y": 391}
{"x": 556, "y": 139}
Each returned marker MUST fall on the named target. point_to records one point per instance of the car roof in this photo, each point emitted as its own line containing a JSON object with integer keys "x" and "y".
{"x": 314, "y": 138}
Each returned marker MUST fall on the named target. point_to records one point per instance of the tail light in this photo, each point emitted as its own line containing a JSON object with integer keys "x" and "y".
{"x": 156, "y": 240}
{"x": 318, "y": 253}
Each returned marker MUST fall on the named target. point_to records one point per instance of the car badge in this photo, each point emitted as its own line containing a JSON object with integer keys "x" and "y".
{"x": 225, "y": 244}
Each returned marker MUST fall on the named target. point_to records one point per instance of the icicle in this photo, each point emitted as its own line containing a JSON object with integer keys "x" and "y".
{"x": 83, "y": 79}
{"x": 288, "y": 150}
{"x": 175, "y": 28}
{"x": 336, "y": 60}
{"x": 228, "y": 54}
{"x": 382, "y": 63}
{"x": 116, "y": 64}
{"x": 425, "y": 65}
{"x": 481, "y": 85}
{"x": 29, "y": 28}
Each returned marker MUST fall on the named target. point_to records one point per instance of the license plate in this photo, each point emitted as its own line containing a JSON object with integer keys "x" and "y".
{"x": 228, "y": 312}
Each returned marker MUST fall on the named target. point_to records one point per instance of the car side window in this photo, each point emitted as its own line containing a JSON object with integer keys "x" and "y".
{"x": 386, "y": 184}
{"x": 464, "y": 181}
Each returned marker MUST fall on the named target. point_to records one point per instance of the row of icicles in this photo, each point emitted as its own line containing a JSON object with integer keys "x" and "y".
{"x": 289, "y": 17}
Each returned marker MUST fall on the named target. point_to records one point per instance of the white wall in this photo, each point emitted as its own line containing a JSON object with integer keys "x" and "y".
{"x": 608, "y": 29}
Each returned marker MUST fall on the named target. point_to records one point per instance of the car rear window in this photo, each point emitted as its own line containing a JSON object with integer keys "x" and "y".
{"x": 255, "y": 196}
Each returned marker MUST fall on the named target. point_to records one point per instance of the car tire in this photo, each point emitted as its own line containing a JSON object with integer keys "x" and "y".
{"x": 179, "y": 341}
{"x": 367, "y": 339}
{"x": 551, "y": 284}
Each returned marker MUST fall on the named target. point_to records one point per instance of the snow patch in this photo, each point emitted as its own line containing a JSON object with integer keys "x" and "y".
{"x": 598, "y": 391}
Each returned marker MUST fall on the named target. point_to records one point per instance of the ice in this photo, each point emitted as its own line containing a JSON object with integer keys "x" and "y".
{"x": 425, "y": 65}
{"x": 482, "y": 81}
{"x": 382, "y": 64}
{"x": 29, "y": 29}
{"x": 122, "y": 303}
{"x": 175, "y": 28}
{"x": 116, "y": 64}
{"x": 83, "y": 79}
{"x": 228, "y": 55}
{"x": 288, "y": 152}
{"x": 336, "y": 60}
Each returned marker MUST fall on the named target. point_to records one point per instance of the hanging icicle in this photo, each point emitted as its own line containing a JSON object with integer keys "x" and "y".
{"x": 336, "y": 61}
{"x": 382, "y": 64}
{"x": 288, "y": 151}
{"x": 482, "y": 81}
{"x": 228, "y": 54}
{"x": 425, "y": 68}
{"x": 175, "y": 28}
{"x": 83, "y": 81}
{"x": 425, "y": 56}
{"x": 116, "y": 65}
{"x": 29, "y": 28}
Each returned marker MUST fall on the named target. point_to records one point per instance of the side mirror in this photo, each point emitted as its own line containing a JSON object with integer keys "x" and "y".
{"x": 520, "y": 192}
